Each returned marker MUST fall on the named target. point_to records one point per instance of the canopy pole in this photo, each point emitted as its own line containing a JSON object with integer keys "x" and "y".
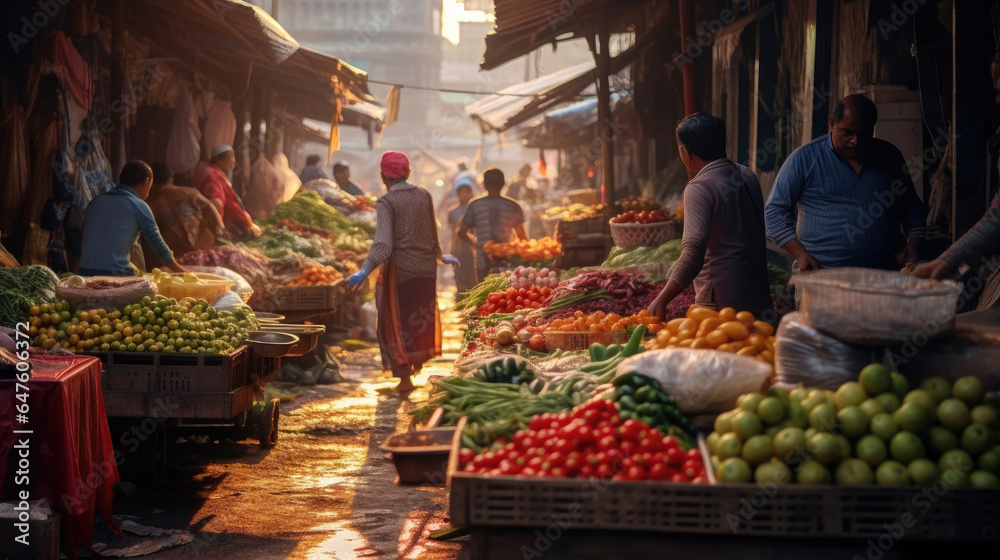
{"x": 117, "y": 158}
{"x": 688, "y": 77}
{"x": 605, "y": 126}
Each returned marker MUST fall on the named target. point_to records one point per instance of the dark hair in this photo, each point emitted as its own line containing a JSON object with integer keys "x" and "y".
{"x": 863, "y": 106}
{"x": 704, "y": 135}
{"x": 312, "y": 159}
{"x": 463, "y": 187}
{"x": 341, "y": 165}
{"x": 134, "y": 173}
{"x": 493, "y": 177}
{"x": 161, "y": 173}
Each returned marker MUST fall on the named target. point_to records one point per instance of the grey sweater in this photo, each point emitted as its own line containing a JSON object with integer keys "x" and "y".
{"x": 723, "y": 249}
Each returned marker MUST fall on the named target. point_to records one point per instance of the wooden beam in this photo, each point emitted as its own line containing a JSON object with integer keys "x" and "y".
{"x": 605, "y": 126}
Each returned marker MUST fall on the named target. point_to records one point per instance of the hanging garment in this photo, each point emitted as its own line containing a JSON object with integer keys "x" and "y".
{"x": 291, "y": 180}
{"x": 183, "y": 151}
{"x": 220, "y": 128}
{"x": 267, "y": 186}
{"x": 14, "y": 167}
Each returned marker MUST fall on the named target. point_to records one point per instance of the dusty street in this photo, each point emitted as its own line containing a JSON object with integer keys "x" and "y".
{"x": 326, "y": 491}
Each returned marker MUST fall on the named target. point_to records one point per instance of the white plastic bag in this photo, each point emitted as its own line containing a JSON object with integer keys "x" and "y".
{"x": 241, "y": 287}
{"x": 700, "y": 381}
{"x": 804, "y": 355}
{"x": 228, "y": 301}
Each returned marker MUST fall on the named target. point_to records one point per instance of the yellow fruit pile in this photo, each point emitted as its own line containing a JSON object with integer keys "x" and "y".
{"x": 726, "y": 330}
{"x": 600, "y": 322}
{"x": 530, "y": 250}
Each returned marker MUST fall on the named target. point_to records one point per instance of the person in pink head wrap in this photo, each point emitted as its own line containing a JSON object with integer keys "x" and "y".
{"x": 408, "y": 249}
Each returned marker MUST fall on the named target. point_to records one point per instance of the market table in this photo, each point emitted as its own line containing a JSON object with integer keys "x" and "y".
{"x": 72, "y": 462}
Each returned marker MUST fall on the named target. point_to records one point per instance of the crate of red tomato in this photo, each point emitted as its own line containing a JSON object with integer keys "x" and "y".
{"x": 634, "y": 229}
{"x": 588, "y": 467}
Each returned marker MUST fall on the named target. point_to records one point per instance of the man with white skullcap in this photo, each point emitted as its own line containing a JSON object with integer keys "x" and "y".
{"x": 216, "y": 187}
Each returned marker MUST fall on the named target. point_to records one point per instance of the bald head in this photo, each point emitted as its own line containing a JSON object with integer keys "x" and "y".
{"x": 852, "y": 126}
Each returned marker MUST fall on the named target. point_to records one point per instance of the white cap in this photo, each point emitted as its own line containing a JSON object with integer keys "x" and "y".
{"x": 221, "y": 149}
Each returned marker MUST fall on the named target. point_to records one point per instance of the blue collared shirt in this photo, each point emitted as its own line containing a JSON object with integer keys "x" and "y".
{"x": 845, "y": 218}
{"x": 114, "y": 221}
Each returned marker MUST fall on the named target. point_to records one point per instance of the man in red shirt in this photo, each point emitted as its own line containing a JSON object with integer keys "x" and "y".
{"x": 215, "y": 185}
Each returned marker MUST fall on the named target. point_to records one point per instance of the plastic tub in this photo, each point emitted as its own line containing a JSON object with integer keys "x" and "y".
{"x": 421, "y": 456}
{"x": 877, "y": 307}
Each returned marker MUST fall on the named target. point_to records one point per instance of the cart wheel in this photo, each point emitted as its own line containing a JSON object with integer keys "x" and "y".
{"x": 268, "y": 429}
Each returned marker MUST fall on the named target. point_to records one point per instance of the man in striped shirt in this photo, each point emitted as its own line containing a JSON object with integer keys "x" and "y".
{"x": 494, "y": 217}
{"x": 843, "y": 199}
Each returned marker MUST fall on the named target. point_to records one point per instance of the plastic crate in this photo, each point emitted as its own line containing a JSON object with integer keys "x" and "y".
{"x": 581, "y": 340}
{"x": 186, "y": 373}
{"x": 307, "y": 298}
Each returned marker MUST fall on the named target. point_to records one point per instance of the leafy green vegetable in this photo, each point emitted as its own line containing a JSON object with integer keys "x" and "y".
{"x": 22, "y": 287}
{"x": 308, "y": 208}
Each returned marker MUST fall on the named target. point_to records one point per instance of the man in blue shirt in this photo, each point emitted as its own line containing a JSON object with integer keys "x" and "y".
{"x": 113, "y": 223}
{"x": 840, "y": 200}
{"x": 312, "y": 170}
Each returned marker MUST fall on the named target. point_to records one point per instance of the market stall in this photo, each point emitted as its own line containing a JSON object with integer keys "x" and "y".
{"x": 576, "y": 409}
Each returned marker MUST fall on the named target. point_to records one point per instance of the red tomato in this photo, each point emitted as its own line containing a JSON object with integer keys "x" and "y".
{"x": 671, "y": 441}
{"x": 546, "y": 291}
{"x": 674, "y": 456}
{"x": 509, "y": 467}
{"x": 466, "y": 455}
{"x": 635, "y": 472}
{"x": 607, "y": 443}
{"x": 559, "y": 472}
{"x": 627, "y": 448}
{"x": 528, "y": 471}
{"x": 522, "y": 292}
{"x": 699, "y": 480}
{"x": 534, "y": 462}
{"x": 586, "y": 471}
{"x": 679, "y": 477}
{"x": 603, "y": 471}
{"x": 573, "y": 464}
{"x": 693, "y": 453}
{"x": 511, "y": 292}
{"x": 631, "y": 429}
{"x": 658, "y": 471}
{"x": 693, "y": 468}
{"x": 494, "y": 297}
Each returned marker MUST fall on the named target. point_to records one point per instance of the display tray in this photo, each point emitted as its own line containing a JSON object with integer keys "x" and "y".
{"x": 154, "y": 371}
{"x": 935, "y": 513}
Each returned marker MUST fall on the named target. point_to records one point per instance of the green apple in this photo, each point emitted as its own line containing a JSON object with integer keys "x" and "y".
{"x": 796, "y": 415}
{"x": 956, "y": 477}
{"x": 729, "y": 446}
{"x": 990, "y": 461}
{"x": 889, "y": 401}
{"x": 734, "y": 469}
{"x": 812, "y": 472}
{"x": 900, "y": 385}
{"x": 914, "y": 417}
{"x": 953, "y": 414}
{"x": 977, "y": 439}
{"x": 937, "y": 387}
{"x": 770, "y": 410}
{"x": 815, "y": 398}
{"x": 844, "y": 445}
{"x": 850, "y": 394}
{"x": 854, "y": 472}
{"x": 983, "y": 479}
{"x": 749, "y": 401}
{"x": 871, "y": 407}
{"x": 788, "y": 443}
{"x": 969, "y": 390}
{"x": 875, "y": 379}
{"x": 921, "y": 397}
{"x": 923, "y": 472}
{"x": 757, "y": 449}
{"x": 772, "y": 431}
{"x": 940, "y": 439}
{"x": 724, "y": 422}
{"x": 746, "y": 424}
{"x": 824, "y": 448}
{"x": 712, "y": 441}
{"x": 986, "y": 415}
{"x": 798, "y": 394}
{"x": 823, "y": 417}
{"x": 779, "y": 393}
{"x": 853, "y": 421}
{"x": 906, "y": 447}
{"x": 957, "y": 459}
{"x": 891, "y": 473}
{"x": 773, "y": 471}
{"x": 884, "y": 426}
{"x": 871, "y": 450}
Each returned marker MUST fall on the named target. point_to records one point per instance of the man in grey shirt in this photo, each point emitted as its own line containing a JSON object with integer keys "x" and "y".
{"x": 723, "y": 250}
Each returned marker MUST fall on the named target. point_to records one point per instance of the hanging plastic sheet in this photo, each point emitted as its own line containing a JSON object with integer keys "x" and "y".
{"x": 183, "y": 151}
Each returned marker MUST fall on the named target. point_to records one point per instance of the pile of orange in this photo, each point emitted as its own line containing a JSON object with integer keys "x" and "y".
{"x": 317, "y": 276}
{"x": 725, "y": 330}
{"x": 601, "y": 322}
{"x": 530, "y": 250}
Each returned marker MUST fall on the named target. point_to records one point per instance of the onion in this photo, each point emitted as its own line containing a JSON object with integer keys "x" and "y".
{"x": 543, "y": 272}
{"x": 553, "y": 283}
{"x": 553, "y": 274}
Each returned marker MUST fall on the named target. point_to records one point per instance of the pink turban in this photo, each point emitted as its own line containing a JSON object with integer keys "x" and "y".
{"x": 395, "y": 165}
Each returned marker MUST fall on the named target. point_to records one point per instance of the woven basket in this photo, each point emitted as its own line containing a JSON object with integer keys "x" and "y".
{"x": 210, "y": 287}
{"x": 635, "y": 235}
{"x": 581, "y": 340}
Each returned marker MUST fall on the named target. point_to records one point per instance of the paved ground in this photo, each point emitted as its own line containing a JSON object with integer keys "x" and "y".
{"x": 326, "y": 491}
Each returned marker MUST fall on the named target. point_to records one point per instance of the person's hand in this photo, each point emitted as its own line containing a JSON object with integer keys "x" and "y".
{"x": 255, "y": 230}
{"x": 937, "y": 269}
{"x": 806, "y": 262}
{"x": 911, "y": 255}
{"x": 659, "y": 307}
{"x": 449, "y": 259}
{"x": 355, "y": 280}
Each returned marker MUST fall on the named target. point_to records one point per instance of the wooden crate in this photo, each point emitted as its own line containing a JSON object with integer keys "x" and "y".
{"x": 155, "y": 406}
{"x": 307, "y": 298}
{"x": 154, "y": 371}
{"x": 43, "y": 539}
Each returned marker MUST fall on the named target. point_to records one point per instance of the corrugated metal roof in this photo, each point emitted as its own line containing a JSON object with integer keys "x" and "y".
{"x": 523, "y": 26}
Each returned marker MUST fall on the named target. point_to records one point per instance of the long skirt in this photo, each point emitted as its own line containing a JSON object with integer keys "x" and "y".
{"x": 409, "y": 325}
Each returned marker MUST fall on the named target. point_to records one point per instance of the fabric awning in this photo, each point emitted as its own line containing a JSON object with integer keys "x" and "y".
{"x": 508, "y": 107}
{"x": 569, "y": 126}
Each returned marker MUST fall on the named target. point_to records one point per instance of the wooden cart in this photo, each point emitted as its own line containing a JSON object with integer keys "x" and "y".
{"x": 146, "y": 394}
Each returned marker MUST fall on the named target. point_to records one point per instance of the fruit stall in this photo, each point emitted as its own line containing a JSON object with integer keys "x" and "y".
{"x": 583, "y": 427}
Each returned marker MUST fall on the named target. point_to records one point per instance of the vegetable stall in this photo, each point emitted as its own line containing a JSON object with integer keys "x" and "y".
{"x": 570, "y": 402}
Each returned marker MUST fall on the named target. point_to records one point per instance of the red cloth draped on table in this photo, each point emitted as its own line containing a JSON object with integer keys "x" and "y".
{"x": 71, "y": 459}
{"x": 408, "y": 328}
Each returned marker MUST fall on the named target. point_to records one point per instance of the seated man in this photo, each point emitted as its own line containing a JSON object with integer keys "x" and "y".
{"x": 215, "y": 185}
{"x": 342, "y": 176}
{"x": 187, "y": 220}
{"x": 312, "y": 170}
{"x": 113, "y": 224}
